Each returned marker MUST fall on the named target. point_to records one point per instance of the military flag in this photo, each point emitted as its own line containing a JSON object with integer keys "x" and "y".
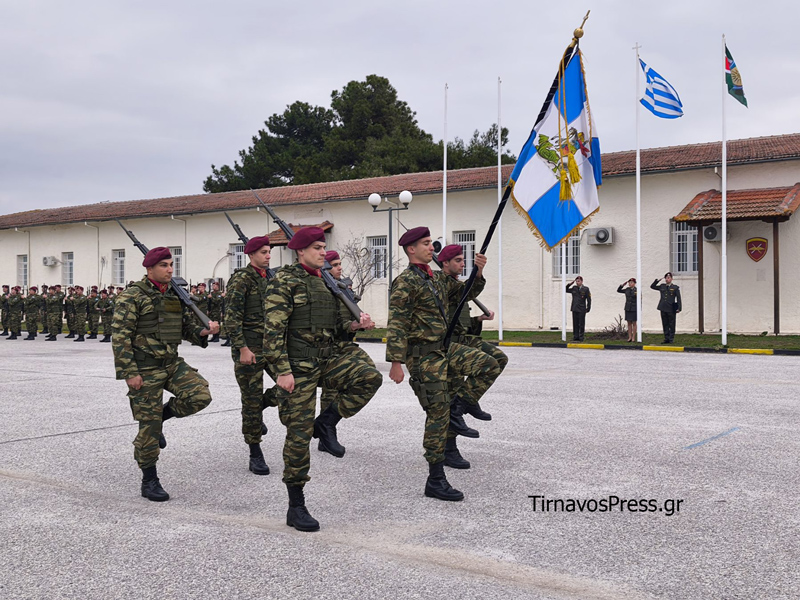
{"x": 733, "y": 78}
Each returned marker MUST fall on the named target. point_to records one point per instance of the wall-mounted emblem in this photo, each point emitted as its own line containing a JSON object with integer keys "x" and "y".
{"x": 757, "y": 248}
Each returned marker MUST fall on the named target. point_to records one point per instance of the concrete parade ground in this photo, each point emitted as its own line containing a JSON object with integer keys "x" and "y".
{"x": 581, "y": 428}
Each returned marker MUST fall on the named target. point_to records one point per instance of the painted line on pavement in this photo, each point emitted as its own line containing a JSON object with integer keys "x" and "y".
{"x": 711, "y": 439}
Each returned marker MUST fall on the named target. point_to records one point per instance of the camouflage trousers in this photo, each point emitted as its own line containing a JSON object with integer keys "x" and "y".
{"x": 43, "y": 318}
{"x": 435, "y": 370}
{"x": 70, "y": 322}
{"x": 15, "y": 322}
{"x": 94, "y": 322}
{"x": 455, "y": 384}
{"x": 54, "y": 323}
{"x": 254, "y": 399}
{"x": 4, "y": 318}
{"x": 32, "y": 322}
{"x": 79, "y": 325}
{"x": 354, "y": 352}
{"x": 355, "y": 382}
{"x": 105, "y": 321}
{"x": 191, "y": 395}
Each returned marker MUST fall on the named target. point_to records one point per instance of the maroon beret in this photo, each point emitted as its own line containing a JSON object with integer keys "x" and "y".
{"x": 414, "y": 235}
{"x": 256, "y": 243}
{"x": 450, "y": 252}
{"x": 33, "y": 288}
{"x": 305, "y": 237}
{"x": 332, "y": 255}
{"x": 155, "y": 256}
{"x": 79, "y": 287}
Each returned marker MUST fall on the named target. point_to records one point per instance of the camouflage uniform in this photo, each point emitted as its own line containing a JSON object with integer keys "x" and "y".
{"x": 55, "y": 308}
{"x": 33, "y": 307}
{"x": 138, "y": 329}
{"x": 43, "y": 311}
{"x": 216, "y": 311}
{"x": 16, "y": 305}
{"x": 303, "y": 322}
{"x": 79, "y": 306}
{"x": 244, "y": 314}
{"x": 4, "y": 311}
{"x": 93, "y": 315}
{"x": 105, "y": 310}
{"x": 69, "y": 312}
{"x": 416, "y": 331}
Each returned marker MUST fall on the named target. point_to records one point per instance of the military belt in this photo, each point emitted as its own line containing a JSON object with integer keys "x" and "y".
{"x": 424, "y": 349}
{"x": 298, "y": 350}
{"x": 144, "y": 360}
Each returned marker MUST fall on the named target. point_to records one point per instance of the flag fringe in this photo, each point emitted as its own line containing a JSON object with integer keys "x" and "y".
{"x": 542, "y": 243}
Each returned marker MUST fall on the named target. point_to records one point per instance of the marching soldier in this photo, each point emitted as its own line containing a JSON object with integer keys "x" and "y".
{"x": 303, "y": 323}
{"x": 581, "y": 304}
{"x": 79, "y": 308}
{"x": 32, "y": 311}
{"x": 105, "y": 309}
{"x": 669, "y": 304}
{"x": 629, "y": 289}
{"x": 69, "y": 311}
{"x": 417, "y": 327}
{"x": 346, "y": 347}
{"x": 54, "y": 306}
{"x": 93, "y": 315}
{"x": 4, "y": 310}
{"x": 16, "y": 306}
{"x": 149, "y": 324}
{"x": 452, "y": 259}
{"x": 215, "y": 307}
{"x": 246, "y": 292}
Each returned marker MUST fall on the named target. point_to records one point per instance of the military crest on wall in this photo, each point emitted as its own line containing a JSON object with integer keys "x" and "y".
{"x": 757, "y": 248}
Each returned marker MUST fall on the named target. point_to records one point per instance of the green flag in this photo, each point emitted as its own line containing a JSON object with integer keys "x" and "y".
{"x": 733, "y": 78}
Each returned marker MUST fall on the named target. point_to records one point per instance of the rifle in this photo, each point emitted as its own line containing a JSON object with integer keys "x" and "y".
{"x": 477, "y": 302}
{"x": 175, "y": 283}
{"x": 330, "y": 282}
{"x": 244, "y": 239}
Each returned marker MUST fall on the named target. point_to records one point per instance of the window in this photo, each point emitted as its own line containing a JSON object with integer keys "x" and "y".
{"x": 238, "y": 258}
{"x": 177, "y": 258}
{"x": 118, "y": 266}
{"x": 379, "y": 255}
{"x": 466, "y": 239}
{"x": 22, "y": 270}
{"x": 67, "y": 268}
{"x": 683, "y": 248}
{"x": 573, "y": 256}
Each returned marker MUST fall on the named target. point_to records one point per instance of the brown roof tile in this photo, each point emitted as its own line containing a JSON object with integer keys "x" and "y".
{"x": 654, "y": 160}
{"x": 743, "y": 205}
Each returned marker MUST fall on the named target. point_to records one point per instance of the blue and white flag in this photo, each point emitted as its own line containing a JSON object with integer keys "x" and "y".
{"x": 660, "y": 98}
{"x": 554, "y": 183}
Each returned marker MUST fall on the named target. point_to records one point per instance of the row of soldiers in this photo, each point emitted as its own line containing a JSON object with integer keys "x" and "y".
{"x": 294, "y": 325}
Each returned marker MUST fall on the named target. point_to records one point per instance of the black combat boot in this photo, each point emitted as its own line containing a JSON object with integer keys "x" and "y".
{"x": 475, "y": 410}
{"x": 215, "y": 338}
{"x": 51, "y": 338}
{"x": 437, "y": 485}
{"x": 452, "y": 457}
{"x": 13, "y": 336}
{"x": 457, "y": 423}
{"x": 79, "y": 338}
{"x": 263, "y": 428}
{"x": 70, "y": 336}
{"x": 227, "y": 341}
{"x": 107, "y": 338}
{"x": 45, "y": 331}
{"x": 151, "y": 486}
{"x": 30, "y": 336}
{"x": 325, "y": 430}
{"x": 166, "y": 414}
{"x": 91, "y": 336}
{"x": 298, "y": 515}
{"x": 257, "y": 464}
{"x": 5, "y": 333}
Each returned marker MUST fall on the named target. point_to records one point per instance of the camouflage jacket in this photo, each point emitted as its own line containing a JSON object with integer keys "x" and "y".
{"x": 104, "y": 307}
{"x": 452, "y": 304}
{"x": 241, "y": 285}
{"x": 33, "y": 303}
{"x": 129, "y": 305}
{"x": 91, "y": 305}
{"x": 69, "y": 304}
{"x": 4, "y": 302}
{"x": 215, "y": 303}
{"x": 15, "y": 304}
{"x": 286, "y": 291}
{"x": 414, "y": 316}
{"x": 55, "y": 303}
{"x": 80, "y": 306}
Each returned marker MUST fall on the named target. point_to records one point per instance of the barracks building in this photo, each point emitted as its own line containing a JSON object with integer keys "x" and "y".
{"x": 681, "y": 211}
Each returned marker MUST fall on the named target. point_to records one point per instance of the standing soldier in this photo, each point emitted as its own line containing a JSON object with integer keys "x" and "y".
{"x": 79, "y": 307}
{"x": 303, "y": 322}
{"x": 669, "y": 304}
{"x": 4, "y": 309}
{"x": 417, "y": 327}
{"x": 33, "y": 309}
{"x": 346, "y": 347}
{"x": 43, "y": 308}
{"x": 55, "y": 308}
{"x": 69, "y": 311}
{"x": 244, "y": 315}
{"x": 452, "y": 259}
{"x": 630, "y": 306}
{"x": 105, "y": 310}
{"x": 93, "y": 314}
{"x": 16, "y": 305}
{"x": 149, "y": 324}
{"x": 215, "y": 302}
{"x": 581, "y": 304}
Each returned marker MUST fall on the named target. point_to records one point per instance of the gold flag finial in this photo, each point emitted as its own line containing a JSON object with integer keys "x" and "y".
{"x": 578, "y": 33}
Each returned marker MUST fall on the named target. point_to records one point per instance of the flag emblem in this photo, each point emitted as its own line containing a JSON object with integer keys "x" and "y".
{"x": 757, "y": 248}
{"x": 733, "y": 78}
{"x": 660, "y": 98}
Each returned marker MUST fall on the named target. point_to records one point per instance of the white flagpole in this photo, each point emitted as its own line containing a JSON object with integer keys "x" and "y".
{"x": 444, "y": 168}
{"x": 639, "y": 281}
{"x": 564, "y": 292}
{"x": 500, "y": 223}
{"x": 724, "y": 282}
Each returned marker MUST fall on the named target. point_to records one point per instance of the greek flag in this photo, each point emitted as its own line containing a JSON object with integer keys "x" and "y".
{"x": 661, "y": 99}
{"x": 554, "y": 183}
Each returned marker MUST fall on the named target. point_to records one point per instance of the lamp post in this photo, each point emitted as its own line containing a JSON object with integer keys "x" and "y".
{"x": 375, "y": 201}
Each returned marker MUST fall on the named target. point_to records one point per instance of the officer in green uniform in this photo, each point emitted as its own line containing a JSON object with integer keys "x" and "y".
{"x": 669, "y": 304}
{"x": 149, "y": 324}
{"x": 303, "y": 323}
{"x": 244, "y": 314}
{"x": 216, "y": 303}
{"x": 69, "y": 311}
{"x": 16, "y": 308}
{"x": 418, "y": 324}
{"x": 4, "y": 310}
{"x": 581, "y": 304}
{"x": 631, "y": 310}
{"x": 79, "y": 307}
{"x": 105, "y": 309}
{"x": 93, "y": 315}
{"x": 33, "y": 308}
{"x": 346, "y": 344}
{"x": 54, "y": 306}
{"x": 452, "y": 259}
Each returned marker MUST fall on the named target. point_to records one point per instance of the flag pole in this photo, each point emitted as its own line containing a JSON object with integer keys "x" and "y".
{"x": 500, "y": 224}
{"x": 638, "y": 209}
{"x": 564, "y": 292}
{"x": 724, "y": 277}
{"x": 444, "y": 169}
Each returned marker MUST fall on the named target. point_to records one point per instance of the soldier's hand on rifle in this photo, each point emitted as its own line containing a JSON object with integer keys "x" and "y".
{"x": 286, "y": 382}
{"x": 246, "y": 356}
{"x": 396, "y": 372}
{"x": 480, "y": 262}
{"x": 135, "y": 383}
{"x": 490, "y": 317}
{"x": 364, "y": 323}
{"x": 213, "y": 329}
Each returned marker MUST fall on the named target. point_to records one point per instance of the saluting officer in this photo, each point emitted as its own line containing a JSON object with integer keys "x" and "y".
{"x": 149, "y": 324}
{"x": 581, "y": 304}
{"x": 303, "y": 323}
{"x": 629, "y": 289}
{"x": 669, "y": 304}
{"x": 418, "y": 324}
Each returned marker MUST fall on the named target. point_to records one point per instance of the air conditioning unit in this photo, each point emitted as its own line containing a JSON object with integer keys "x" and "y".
{"x": 601, "y": 236}
{"x": 438, "y": 245}
{"x": 713, "y": 233}
{"x": 49, "y": 261}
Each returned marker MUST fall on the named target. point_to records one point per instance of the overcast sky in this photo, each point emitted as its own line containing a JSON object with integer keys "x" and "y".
{"x": 106, "y": 101}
